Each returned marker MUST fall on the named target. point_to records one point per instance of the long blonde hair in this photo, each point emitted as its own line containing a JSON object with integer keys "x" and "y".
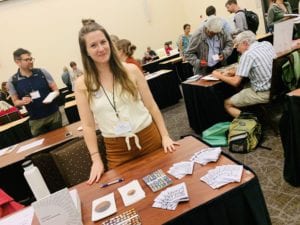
{"x": 91, "y": 77}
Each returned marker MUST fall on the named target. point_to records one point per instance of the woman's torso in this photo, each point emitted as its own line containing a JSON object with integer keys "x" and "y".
{"x": 129, "y": 110}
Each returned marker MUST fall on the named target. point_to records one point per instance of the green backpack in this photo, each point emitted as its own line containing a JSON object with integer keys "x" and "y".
{"x": 291, "y": 71}
{"x": 244, "y": 133}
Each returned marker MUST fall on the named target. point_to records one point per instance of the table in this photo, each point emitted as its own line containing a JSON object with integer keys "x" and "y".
{"x": 234, "y": 204}
{"x": 164, "y": 87}
{"x": 183, "y": 68}
{"x": 14, "y": 132}
{"x": 154, "y": 65}
{"x": 289, "y": 133}
{"x": 10, "y": 164}
{"x": 70, "y": 97}
{"x": 204, "y": 102}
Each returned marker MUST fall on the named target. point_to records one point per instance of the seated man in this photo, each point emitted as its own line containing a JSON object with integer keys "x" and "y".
{"x": 209, "y": 46}
{"x": 256, "y": 64}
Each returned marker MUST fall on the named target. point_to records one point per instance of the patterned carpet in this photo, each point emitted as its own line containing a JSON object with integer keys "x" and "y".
{"x": 283, "y": 200}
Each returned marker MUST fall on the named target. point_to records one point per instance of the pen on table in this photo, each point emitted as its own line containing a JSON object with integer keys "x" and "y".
{"x": 111, "y": 182}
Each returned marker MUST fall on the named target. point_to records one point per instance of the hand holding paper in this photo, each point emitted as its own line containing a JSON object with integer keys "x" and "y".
{"x": 52, "y": 95}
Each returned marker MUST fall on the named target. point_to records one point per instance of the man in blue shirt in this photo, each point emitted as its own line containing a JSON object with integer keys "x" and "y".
{"x": 29, "y": 87}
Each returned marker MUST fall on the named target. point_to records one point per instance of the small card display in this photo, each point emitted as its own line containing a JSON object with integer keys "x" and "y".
{"x": 129, "y": 217}
{"x": 157, "y": 180}
{"x": 131, "y": 192}
{"x": 103, "y": 207}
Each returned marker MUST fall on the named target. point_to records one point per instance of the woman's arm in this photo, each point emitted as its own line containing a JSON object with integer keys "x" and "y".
{"x": 143, "y": 88}
{"x": 88, "y": 125}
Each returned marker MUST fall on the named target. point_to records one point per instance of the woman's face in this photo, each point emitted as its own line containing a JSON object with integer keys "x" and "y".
{"x": 97, "y": 46}
{"x": 187, "y": 29}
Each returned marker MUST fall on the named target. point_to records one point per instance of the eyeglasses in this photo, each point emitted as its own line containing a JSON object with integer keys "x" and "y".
{"x": 28, "y": 59}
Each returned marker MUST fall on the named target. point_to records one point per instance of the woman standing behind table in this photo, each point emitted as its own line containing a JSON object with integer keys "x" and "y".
{"x": 118, "y": 96}
{"x": 126, "y": 50}
{"x": 184, "y": 40}
{"x": 276, "y": 12}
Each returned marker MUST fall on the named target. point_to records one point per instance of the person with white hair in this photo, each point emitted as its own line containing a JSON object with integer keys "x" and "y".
{"x": 256, "y": 64}
{"x": 209, "y": 46}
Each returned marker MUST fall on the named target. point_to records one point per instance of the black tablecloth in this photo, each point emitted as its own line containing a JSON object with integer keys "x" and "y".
{"x": 205, "y": 104}
{"x": 183, "y": 69}
{"x": 289, "y": 132}
{"x": 244, "y": 205}
{"x": 155, "y": 66}
{"x": 16, "y": 134}
{"x": 165, "y": 89}
{"x": 72, "y": 114}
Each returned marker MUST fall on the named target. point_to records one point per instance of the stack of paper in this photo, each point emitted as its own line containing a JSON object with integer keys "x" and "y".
{"x": 169, "y": 198}
{"x": 131, "y": 192}
{"x": 223, "y": 175}
{"x": 49, "y": 98}
{"x": 179, "y": 170}
{"x": 206, "y": 155}
{"x": 57, "y": 208}
{"x": 157, "y": 180}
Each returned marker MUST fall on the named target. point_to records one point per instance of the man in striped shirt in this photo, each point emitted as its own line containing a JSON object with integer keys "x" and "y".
{"x": 256, "y": 64}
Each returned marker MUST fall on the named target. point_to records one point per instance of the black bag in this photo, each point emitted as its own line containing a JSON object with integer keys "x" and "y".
{"x": 289, "y": 127}
{"x": 252, "y": 20}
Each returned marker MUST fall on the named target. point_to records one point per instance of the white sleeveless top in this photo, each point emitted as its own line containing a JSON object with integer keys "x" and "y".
{"x": 133, "y": 111}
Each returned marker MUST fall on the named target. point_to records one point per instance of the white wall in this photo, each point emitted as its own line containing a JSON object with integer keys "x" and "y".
{"x": 49, "y": 28}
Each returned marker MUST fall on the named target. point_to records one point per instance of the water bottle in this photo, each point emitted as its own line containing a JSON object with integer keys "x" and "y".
{"x": 35, "y": 180}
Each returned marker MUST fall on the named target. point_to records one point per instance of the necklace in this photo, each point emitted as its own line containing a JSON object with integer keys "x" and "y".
{"x": 112, "y": 103}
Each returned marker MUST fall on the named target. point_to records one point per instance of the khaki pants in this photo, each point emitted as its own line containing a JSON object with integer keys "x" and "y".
{"x": 46, "y": 124}
{"x": 117, "y": 152}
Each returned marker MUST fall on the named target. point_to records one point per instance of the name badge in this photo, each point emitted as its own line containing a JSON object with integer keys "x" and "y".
{"x": 122, "y": 127}
{"x": 35, "y": 94}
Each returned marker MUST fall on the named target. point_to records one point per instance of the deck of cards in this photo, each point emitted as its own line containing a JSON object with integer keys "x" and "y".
{"x": 169, "y": 198}
{"x": 179, "y": 170}
{"x": 206, "y": 155}
{"x": 223, "y": 175}
{"x": 157, "y": 180}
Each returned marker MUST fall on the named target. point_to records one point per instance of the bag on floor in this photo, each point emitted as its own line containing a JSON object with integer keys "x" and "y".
{"x": 216, "y": 135}
{"x": 244, "y": 133}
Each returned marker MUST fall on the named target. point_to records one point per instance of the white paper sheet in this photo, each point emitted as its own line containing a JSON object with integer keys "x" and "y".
{"x": 111, "y": 207}
{"x": 7, "y": 150}
{"x": 30, "y": 145}
{"x": 57, "y": 208}
{"x": 131, "y": 192}
{"x": 283, "y": 34}
{"x": 209, "y": 77}
{"x": 22, "y": 217}
{"x": 52, "y": 95}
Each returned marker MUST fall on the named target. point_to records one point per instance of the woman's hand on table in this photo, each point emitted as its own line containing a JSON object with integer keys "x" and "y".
{"x": 168, "y": 144}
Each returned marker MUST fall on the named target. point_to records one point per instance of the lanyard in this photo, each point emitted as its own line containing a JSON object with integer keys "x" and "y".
{"x": 112, "y": 103}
